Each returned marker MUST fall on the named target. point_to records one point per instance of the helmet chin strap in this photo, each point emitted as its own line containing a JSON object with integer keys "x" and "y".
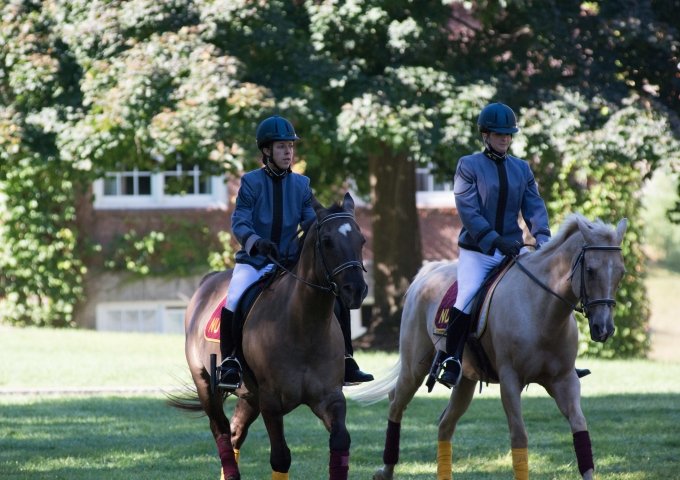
{"x": 491, "y": 153}
{"x": 271, "y": 168}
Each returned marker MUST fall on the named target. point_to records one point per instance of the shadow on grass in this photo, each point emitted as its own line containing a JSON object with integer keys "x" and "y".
{"x": 634, "y": 437}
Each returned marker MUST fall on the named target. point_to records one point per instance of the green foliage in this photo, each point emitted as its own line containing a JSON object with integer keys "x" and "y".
{"x": 663, "y": 236}
{"x": 171, "y": 252}
{"x": 599, "y": 172}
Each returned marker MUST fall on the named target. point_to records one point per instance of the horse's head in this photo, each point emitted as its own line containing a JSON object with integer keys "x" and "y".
{"x": 596, "y": 274}
{"x": 339, "y": 244}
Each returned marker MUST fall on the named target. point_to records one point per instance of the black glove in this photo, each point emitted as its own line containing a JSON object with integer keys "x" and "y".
{"x": 507, "y": 247}
{"x": 267, "y": 248}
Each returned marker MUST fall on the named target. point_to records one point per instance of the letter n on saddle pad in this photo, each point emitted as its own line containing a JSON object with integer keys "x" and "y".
{"x": 480, "y": 307}
{"x": 212, "y": 327}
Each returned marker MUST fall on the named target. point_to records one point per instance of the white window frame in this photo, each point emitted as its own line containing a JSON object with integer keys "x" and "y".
{"x": 158, "y": 199}
{"x": 431, "y": 198}
{"x": 142, "y": 317}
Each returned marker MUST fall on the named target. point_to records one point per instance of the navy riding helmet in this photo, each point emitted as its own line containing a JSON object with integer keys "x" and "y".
{"x": 275, "y": 129}
{"x": 498, "y": 118}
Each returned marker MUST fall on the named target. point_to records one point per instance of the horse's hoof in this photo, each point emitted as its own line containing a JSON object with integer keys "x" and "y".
{"x": 381, "y": 475}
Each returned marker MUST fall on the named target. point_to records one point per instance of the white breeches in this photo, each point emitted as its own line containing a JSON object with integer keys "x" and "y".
{"x": 243, "y": 276}
{"x": 473, "y": 268}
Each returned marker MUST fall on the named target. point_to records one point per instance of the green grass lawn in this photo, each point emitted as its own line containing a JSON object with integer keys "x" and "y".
{"x": 633, "y": 409}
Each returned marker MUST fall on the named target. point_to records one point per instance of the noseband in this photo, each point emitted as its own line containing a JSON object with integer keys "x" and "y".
{"x": 583, "y": 304}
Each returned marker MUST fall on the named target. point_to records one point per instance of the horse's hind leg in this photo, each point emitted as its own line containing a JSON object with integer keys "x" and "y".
{"x": 411, "y": 376}
{"x": 213, "y": 405}
{"x": 333, "y": 412}
{"x": 567, "y": 395}
{"x": 245, "y": 413}
{"x": 460, "y": 399}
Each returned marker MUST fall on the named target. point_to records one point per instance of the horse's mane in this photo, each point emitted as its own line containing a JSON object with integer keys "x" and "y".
{"x": 307, "y": 226}
{"x": 570, "y": 226}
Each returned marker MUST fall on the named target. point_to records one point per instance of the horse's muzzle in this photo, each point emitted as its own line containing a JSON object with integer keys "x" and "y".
{"x": 353, "y": 294}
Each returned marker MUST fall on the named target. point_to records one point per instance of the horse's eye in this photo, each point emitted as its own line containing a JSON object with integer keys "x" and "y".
{"x": 590, "y": 272}
{"x": 326, "y": 240}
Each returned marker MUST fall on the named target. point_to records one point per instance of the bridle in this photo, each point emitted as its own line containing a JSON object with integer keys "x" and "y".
{"x": 584, "y": 303}
{"x": 332, "y": 287}
{"x": 583, "y": 297}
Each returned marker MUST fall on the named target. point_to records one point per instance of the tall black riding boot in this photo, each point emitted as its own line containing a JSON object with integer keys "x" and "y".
{"x": 456, "y": 336}
{"x": 353, "y": 374}
{"x": 230, "y": 369}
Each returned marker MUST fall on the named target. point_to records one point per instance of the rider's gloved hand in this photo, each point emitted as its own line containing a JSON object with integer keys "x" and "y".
{"x": 267, "y": 248}
{"x": 540, "y": 240}
{"x": 507, "y": 247}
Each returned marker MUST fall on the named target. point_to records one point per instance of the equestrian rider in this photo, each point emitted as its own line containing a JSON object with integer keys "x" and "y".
{"x": 272, "y": 202}
{"x": 491, "y": 188}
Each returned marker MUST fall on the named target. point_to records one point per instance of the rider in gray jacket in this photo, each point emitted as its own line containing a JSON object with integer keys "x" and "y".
{"x": 491, "y": 188}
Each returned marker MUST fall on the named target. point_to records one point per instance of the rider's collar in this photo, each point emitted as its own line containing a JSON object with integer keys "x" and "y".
{"x": 274, "y": 172}
{"x": 494, "y": 155}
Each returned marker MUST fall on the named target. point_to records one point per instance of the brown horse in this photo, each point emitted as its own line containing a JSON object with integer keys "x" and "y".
{"x": 531, "y": 336}
{"x": 292, "y": 345}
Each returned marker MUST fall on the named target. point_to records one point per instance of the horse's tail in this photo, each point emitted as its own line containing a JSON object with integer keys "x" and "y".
{"x": 378, "y": 389}
{"x": 187, "y": 399}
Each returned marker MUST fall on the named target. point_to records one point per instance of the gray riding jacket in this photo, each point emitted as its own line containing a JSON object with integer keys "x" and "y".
{"x": 272, "y": 208}
{"x": 489, "y": 197}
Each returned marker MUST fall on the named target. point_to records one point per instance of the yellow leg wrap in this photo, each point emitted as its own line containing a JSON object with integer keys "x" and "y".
{"x": 221, "y": 474}
{"x": 237, "y": 455}
{"x": 279, "y": 476}
{"x": 520, "y": 463}
{"x": 444, "y": 455}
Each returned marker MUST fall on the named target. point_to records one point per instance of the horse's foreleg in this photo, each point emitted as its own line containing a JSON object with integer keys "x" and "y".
{"x": 511, "y": 390}
{"x": 245, "y": 413}
{"x": 333, "y": 412}
{"x": 279, "y": 453}
{"x": 459, "y": 402}
{"x": 567, "y": 395}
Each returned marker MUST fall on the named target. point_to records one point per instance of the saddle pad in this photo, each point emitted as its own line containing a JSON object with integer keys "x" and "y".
{"x": 212, "y": 328}
{"x": 480, "y": 307}
{"x": 441, "y": 320}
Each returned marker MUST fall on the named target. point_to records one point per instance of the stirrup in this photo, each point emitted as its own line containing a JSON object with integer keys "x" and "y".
{"x": 447, "y": 377}
{"x": 229, "y": 373}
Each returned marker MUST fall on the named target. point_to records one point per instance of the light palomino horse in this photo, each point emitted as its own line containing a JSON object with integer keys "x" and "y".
{"x": 292, "y": 344}
{"x": 531, "y": 337}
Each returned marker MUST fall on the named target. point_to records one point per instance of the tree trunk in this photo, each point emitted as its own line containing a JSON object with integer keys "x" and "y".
{"x": 397, "y": 253}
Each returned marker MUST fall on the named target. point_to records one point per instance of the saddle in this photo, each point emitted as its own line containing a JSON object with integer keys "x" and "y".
{"x": 245, "y": 303}
{"x": 479, "y": 314}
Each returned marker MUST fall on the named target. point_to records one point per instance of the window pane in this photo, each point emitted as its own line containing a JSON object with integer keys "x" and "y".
{"x": 111, "y": 185}
{"x": 205, "y": 185}
{"x": 128, "y": 185}
{"x": 144, "y": 186}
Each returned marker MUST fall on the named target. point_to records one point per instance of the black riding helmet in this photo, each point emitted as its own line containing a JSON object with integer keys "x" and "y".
{"x": 498, "y": 118}
{"x": 274, "y": 129}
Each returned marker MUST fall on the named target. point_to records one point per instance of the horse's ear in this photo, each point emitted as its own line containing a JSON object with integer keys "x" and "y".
{"x": 621, "y": 229}
{"x": 348, "y": 203}
{"x": 316, "y": 205}
{"x": 585, "y": 227}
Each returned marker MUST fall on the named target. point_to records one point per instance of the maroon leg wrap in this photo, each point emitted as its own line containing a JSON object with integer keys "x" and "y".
{"x": 227, "y": 457}
{"x": 584, "y": 451}
{"x": 338, "y": 467}
{"x": 391, "y": 452}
